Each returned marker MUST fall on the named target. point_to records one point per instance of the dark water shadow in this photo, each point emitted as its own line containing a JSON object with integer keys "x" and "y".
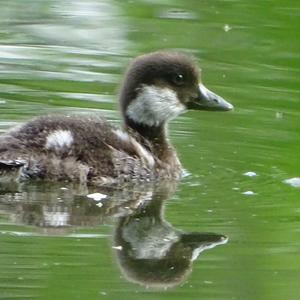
{"x": 148, "y": 249}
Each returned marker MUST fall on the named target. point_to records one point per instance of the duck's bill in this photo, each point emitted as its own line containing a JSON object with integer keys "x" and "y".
{"x": 208, "y": 100}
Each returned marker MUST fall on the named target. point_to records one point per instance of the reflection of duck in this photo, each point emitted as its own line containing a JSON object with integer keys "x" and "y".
{"x": 62, "y": 205}
{"x": 157, "y": 87}
{"x": 150, "y": 251}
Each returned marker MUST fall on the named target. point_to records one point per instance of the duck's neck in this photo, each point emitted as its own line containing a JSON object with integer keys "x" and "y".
{"x": 155, "y": 139}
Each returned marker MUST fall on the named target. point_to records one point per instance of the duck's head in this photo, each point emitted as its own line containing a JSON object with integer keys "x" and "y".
{"x": 161, "y": 85}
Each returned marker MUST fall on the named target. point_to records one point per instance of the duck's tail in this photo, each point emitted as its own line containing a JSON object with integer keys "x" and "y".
{"x": 10, "y": 170}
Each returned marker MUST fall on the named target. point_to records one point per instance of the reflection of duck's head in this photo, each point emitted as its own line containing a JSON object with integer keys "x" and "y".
{"x": 153, "y": 253}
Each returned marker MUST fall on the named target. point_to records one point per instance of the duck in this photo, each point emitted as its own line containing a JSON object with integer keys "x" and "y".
{"x": 157, "y": 87}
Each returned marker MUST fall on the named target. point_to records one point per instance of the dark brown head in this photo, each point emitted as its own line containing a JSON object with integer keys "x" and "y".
{"x": 161, "y": 85}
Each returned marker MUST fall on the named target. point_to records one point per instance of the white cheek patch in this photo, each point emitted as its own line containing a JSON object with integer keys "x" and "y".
{"x": 59, "y": 139}
{"x": 154, "y": 106}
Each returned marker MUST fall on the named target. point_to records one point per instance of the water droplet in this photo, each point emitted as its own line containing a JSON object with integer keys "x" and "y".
{"x": 294, "y": 182}
{"x": 97, "y": 196}
{"x": 118, "y": 247}
{"x": 250, "y": 174}
{"x": 248, "y": 193}
{"x": 227, "y": 27}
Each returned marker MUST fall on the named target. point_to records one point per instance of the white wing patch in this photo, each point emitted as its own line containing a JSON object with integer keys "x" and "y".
{"x": 145, "y": 155}
{"x": 59, "y": 139}
{"x": 122, "y": 135}
{"x": 155, "y": 105}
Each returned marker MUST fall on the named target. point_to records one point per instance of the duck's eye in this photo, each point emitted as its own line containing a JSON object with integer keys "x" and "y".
{"x": 178, "y": 79}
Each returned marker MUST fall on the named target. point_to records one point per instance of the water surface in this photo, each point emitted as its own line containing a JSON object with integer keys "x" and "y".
{"x": 69, "y": 56}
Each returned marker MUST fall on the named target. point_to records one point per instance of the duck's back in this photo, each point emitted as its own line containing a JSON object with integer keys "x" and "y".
{"x": 73, "y": 148}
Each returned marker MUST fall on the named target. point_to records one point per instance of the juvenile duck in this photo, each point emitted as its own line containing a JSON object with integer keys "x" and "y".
{"x": 157, "y": 87}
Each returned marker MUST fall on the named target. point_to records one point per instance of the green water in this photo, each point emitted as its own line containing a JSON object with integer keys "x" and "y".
{"x": 68, "y": 56}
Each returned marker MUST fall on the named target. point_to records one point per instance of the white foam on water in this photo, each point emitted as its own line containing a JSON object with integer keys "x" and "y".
{"x": 250, "y": 174}
{"x": 294, "y": 182}
{"x": 248, "y": 193}
{"x": 97, "y": 196}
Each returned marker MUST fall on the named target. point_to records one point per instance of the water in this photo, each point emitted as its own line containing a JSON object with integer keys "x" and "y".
{"x": 68, "y": 56}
